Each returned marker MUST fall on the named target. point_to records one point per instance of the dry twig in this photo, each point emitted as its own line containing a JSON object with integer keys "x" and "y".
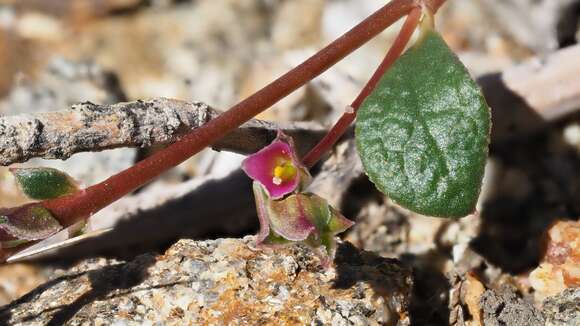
{"x": 528, "y": 96}
{"x": 91, "y": 127}
{"x": 550, "y": 85}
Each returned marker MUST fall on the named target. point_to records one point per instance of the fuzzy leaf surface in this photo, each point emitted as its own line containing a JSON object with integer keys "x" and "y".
{"x": 423, "y": 133}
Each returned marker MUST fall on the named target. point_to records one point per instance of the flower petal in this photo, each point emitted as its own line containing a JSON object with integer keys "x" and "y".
{"x": 261, "y": 166}
{"x": 261, "y": 199}
{"x": 299, "y": 217}
{"x": 286, "y": 218}
{"x": 335, "y": 223}
{"x": 290, "y": 217}
{"x": 305, "y": 177}
{"x": 338, "y": 223}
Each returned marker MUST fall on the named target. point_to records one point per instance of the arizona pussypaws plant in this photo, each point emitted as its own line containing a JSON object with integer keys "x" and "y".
{"x": 422, "y": 135}
{"x": 287, "y": 213}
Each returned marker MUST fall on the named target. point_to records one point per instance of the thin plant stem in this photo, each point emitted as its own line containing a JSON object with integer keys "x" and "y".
{"x": 348, "y": 117}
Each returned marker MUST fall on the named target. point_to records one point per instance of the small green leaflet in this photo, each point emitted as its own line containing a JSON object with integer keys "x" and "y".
{"x": 44, "y": 183}
{"x": 423, "y": 133}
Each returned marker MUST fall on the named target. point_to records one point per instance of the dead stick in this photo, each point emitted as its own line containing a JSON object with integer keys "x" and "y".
{"x": 550, "y": 85}
{"x": 92, "y": 127}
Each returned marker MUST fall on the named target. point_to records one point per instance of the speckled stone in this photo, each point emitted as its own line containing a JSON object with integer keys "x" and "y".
{"x": 222, "y": 282}
{"x": 563, "y": 309}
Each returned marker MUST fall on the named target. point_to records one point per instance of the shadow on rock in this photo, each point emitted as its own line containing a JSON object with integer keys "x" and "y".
{"x": 102, "y": 282}
{"x": 6, "y": 315}
{"x": 538, "y": 182}
{"x": 430, "y": 297}
{"x": 535, "y": 181}
{"x": 388, "y": 277}
{"x": 221, "y": 207}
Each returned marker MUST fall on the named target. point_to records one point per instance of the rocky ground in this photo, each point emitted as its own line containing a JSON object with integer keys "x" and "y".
{"x": 223, "y": 282}
{"x": 516, "y": 262}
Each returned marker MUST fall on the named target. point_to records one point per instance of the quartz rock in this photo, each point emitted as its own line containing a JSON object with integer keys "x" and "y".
{"x": 504, "y": 307}
{"x": 219, "y": 282}
{"x": 563, "y": 309}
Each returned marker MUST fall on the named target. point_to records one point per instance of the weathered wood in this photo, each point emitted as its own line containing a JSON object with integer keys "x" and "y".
{"x": 549, "y": 85}
{"x": 92, "y": 127}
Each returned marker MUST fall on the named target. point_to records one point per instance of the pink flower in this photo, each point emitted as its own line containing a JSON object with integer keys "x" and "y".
{"x": 286, "y": 213}
{"x": 277, "y": 167}
{"x": 302, "y": 217}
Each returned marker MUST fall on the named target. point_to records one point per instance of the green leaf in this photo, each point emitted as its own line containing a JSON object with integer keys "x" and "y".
{"x": 423, "y": 134}
{"x": 44, "y": 183}
{"x": 29, "y": 222}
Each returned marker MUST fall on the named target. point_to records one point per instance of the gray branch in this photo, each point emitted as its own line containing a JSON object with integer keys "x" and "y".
{"x": 92, "y": 127}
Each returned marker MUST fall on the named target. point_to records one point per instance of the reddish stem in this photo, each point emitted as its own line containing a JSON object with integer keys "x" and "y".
{"x": 70, "y": 209}
{"x": 347, "y": 118}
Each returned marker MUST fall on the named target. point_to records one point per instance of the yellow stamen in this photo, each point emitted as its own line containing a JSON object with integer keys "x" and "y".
{"x": 284, "y": 172}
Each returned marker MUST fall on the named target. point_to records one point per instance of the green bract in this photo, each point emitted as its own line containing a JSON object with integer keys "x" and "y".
{"x": 44, "y": 183}
{"x": 423, "y": 134}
